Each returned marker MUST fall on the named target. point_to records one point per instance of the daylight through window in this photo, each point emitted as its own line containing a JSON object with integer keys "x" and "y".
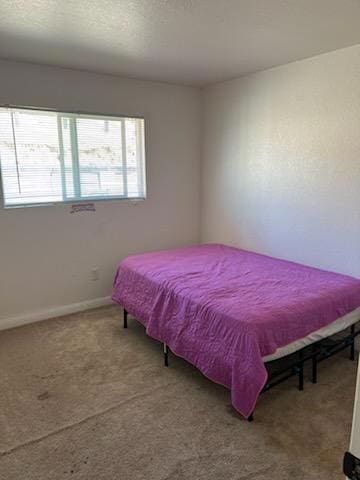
{"x": 50, "y": 157}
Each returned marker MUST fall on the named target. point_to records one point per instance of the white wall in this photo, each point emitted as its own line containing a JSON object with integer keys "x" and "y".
{"x": 281, "y": 162}
{"x": 46, "y": 253}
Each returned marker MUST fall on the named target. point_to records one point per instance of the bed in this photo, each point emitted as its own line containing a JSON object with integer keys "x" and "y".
{"x": 232, "y": 312}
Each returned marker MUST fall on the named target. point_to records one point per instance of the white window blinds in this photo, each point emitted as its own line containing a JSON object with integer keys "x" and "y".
{"x": 50, "y": 157}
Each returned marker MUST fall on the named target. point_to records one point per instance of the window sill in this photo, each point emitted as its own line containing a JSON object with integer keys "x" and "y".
{"x": 67, "y": 203}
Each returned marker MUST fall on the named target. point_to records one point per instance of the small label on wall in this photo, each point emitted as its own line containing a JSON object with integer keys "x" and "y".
{"x": 82, "y": 207}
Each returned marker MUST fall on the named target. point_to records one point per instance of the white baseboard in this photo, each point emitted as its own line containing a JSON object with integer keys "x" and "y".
{"x": 45, "y": 314}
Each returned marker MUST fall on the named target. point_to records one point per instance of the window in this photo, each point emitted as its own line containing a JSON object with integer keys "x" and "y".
{"x": 49, "y": 157}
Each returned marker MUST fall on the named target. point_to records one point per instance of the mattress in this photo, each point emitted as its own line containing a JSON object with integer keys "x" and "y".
{"x": 339, "y": 325}
{"x": 224, "y": 309}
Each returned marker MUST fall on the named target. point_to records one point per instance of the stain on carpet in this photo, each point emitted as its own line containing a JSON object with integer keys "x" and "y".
{"x": 80, "y": 397}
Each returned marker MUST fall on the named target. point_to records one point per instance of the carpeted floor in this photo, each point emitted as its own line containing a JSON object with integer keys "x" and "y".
{"x": 82, "y": 398}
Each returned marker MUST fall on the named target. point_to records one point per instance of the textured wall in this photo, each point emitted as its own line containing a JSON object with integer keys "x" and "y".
{"x": 46, "y": 253}
{"x": 281, "y": 162}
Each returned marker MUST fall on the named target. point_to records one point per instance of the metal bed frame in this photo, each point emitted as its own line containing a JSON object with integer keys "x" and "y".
{"x": 282, "y": 369}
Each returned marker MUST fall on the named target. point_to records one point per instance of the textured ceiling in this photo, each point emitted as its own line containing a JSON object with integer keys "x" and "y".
{"x": 193, "y": 42}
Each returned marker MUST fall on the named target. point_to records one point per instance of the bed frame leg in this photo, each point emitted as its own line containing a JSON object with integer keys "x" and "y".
{"x": 314, "y": 366}
{"x": 301, "y": 371}
{"x": 251, "y": 418}
{"x": 125, "y": 318}
{"x": 166, "y": 355}
{"x": 352, "y": 346}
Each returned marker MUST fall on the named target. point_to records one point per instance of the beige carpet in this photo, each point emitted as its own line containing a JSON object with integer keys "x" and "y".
{"x": 82, "y": 398}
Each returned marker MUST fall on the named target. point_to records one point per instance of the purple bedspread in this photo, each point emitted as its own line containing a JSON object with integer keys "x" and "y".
{"x": 223, "y": 309}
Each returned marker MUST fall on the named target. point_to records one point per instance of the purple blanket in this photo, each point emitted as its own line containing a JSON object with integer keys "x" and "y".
{"x": 223, "y": 309}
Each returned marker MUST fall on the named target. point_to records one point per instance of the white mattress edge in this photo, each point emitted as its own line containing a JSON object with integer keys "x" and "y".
{"x": 331, "y": 329}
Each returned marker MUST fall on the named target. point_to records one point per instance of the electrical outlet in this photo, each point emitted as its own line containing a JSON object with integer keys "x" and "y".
{"x": 94, "y": 274}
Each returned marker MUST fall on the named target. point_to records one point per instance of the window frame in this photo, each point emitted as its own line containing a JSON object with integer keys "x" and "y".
{"x": 89, "y": 199}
